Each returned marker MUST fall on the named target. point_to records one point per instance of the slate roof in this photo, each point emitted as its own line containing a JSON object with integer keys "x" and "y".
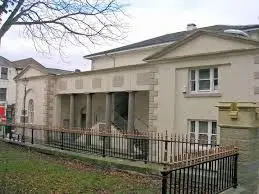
{"x": 5, "y": 62}
{"x": 21, "y": 64}
{"x": 172, "y": 37}
{"x": 57, "y": 71}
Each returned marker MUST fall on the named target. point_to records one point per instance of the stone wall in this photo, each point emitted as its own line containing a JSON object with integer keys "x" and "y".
{"x": 153, "y": 102}
{"x": 49, "y": 101}
{"x": 239, "y": 126}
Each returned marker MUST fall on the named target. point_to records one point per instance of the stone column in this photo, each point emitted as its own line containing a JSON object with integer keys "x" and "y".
{"x": 58, "y": 110}
{"x": 131, "y": 119}
{"x": 108, "y": 111}
{"x": 88, "y": 111}
{"x": 131, "y": 111}
{"x": 239, "y": 122}
{"x": 108, "y": 116}
{"x": 113, "y": 105}
{"x": 72, "y": 111}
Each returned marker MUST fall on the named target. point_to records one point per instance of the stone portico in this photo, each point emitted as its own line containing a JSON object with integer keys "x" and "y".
{"x": 89, "y": 109}
{"x": 126, "y": 101}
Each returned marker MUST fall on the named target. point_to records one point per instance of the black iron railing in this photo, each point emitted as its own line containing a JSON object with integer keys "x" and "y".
{"x": 148, "y": 147}
{"x": 213, "y": 175}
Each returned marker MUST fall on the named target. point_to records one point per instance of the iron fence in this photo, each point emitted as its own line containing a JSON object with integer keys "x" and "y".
{"x": 203, "y": 173}
{"x": 149, "y": 147}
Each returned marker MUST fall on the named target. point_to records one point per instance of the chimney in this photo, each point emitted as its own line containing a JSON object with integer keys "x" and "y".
{"x": 191, "y": 26}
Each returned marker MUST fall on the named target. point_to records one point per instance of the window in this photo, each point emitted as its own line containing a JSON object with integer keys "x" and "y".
{"x": 4, "y": 73}
{"x": 203, "y": 132}
{"x": 30, "y": 111}
{"x": 203, "y": 80}
{"x": 2, "y": 94}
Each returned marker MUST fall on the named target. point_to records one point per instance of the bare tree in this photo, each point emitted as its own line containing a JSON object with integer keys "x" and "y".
{"x": 57, "y": 22}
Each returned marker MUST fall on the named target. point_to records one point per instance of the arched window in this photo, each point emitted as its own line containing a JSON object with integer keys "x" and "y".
{"x": 31, "y": 111}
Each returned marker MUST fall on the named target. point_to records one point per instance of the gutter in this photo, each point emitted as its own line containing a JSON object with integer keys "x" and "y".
{"x": 127, "y": 50}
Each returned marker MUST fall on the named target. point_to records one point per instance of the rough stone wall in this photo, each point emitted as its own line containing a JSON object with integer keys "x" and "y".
{"x": 243, "y": 131}
{"x": 248, "y": 164}
{"x": 49, "y": 101}
{"x": 153, "y": 94}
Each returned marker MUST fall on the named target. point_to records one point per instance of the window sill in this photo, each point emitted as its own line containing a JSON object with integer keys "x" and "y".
{"x": 198, "y": 95}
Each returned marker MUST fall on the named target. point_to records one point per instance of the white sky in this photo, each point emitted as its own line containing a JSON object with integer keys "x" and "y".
{"x": 148, "y": 19}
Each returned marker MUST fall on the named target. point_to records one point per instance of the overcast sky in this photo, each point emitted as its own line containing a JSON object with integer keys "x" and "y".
{"x": 148, "y": 18}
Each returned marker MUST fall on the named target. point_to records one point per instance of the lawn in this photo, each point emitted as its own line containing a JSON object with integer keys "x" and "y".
{"x": 26, "y": 171}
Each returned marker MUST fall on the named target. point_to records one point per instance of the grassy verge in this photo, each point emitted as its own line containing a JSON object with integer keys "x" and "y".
{"x": 25, "y": 171}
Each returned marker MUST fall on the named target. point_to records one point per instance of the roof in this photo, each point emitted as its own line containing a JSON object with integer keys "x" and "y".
{"x": 172, "y": 37}
{"x": 57, "y": 71}
{"x": 21, "y": 64}
{"x": 5, "y": 62}
{"x": 195, "y": 34}
{"x": 25, "y": 64}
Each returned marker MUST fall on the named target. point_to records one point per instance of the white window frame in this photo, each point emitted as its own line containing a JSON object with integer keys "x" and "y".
{"x": 197, "y": 79}
{"x": 4, "y": 92}
{"x": 196, "y": 132}
{"x": 5, "y": 78}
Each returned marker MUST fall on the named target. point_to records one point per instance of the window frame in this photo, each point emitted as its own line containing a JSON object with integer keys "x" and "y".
{"x": 212, "y": 78}
{"x": 209, "y": 133}
{"x": 5, "y": 78}
{"x": 3, "y": 93}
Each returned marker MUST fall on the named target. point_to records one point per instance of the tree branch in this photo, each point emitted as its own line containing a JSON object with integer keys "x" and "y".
{"x": 59, "y": 23}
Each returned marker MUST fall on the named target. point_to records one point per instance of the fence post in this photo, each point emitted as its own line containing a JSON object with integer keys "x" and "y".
{"x": 235, "y": 171}
{"x": 3, "y": 131}
{"x": 104, "y": 138}
{"x": 47, "y": 136}
{"x": 166, "y": 148}
{"x": 10, "y": 135}
{"x": 239, "y": 124}
{"x": 32, "y": 136}
{"x": 62, "y": 140}
{"x": 164, "y": 182}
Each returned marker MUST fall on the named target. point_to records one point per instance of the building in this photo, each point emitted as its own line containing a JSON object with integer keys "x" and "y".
{"x": 8, "y": 71}
{"x": 31, "y": 91}
{"x": 172, "y": 82}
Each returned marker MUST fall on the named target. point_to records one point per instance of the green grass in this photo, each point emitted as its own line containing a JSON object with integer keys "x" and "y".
{"x": 25, "y": 171}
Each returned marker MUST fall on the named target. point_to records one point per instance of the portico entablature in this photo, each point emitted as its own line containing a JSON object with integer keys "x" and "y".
{"x": 110, "y": 80}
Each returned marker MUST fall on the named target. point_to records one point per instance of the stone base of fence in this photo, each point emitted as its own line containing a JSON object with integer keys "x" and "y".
{"x": 239, "y": 124}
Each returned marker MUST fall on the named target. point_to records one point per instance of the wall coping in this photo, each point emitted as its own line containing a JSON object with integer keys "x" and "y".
{"x": 239, "y": 104}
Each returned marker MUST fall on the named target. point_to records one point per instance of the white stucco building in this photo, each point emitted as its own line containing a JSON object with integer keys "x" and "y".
{"x": 8, "y": 70}
{"x": 172, "y": 82}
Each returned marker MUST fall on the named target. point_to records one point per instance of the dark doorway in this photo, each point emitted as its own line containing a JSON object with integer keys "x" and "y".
{"x": 83, "y": 120}
{"x": 121, "y": 104}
